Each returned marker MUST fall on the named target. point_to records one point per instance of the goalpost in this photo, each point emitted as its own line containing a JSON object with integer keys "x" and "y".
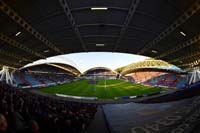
{"x": 94, "y": 78}
{"x": 105, "y": 80}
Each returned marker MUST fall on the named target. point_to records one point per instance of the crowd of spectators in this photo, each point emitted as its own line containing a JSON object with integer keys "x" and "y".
{"x": 24, "y": 112}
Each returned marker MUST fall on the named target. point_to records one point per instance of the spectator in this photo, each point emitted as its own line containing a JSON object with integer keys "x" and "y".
{"x": 33, "y": 127}
{"x": 3, "y": 124}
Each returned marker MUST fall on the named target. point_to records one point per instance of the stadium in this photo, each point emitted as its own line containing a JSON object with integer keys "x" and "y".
{"x": 83, "y": 66}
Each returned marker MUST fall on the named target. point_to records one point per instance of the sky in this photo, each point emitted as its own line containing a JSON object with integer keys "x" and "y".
{"x": 85, "y": 61}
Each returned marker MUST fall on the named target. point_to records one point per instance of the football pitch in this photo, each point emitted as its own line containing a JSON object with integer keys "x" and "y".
{"x": 103, "y": 89}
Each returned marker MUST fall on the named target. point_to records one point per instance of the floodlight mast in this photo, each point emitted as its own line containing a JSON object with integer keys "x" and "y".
{"x": 5, "y": 75}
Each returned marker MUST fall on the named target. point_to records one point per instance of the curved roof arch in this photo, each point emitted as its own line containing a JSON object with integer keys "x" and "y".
{"x": 151, "y": 65}
{"x": 164, "y": 29}
{"x": 62, "y": 66}
{"x": 152, "y": 69}
{"x": 66, "y": 67}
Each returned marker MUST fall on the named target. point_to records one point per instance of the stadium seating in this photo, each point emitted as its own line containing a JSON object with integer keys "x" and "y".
{"x": 30, "y": 79}
{"x": 26, "y": 112}
{"x": 159, "y": 79}
{"x": 144, "y": 76}
{"x": 34, "y": 79}
{"x": 20, "y": 79}
{"x": 44, "y": 75}
{"x": 170, "y": 80}
{"x": 188, "y": 91}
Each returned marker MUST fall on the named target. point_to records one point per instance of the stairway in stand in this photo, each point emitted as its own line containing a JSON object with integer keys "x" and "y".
{"x": 98, "y": 124}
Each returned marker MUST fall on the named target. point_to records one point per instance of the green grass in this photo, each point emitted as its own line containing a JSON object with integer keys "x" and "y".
{"x": 114, "y": 88}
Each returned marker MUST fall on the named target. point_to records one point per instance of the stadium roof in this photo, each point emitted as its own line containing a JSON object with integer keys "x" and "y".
{"x": 36, "y": 29}
{"x": 149, "y": 65}
{"x": 62, "y": 66}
